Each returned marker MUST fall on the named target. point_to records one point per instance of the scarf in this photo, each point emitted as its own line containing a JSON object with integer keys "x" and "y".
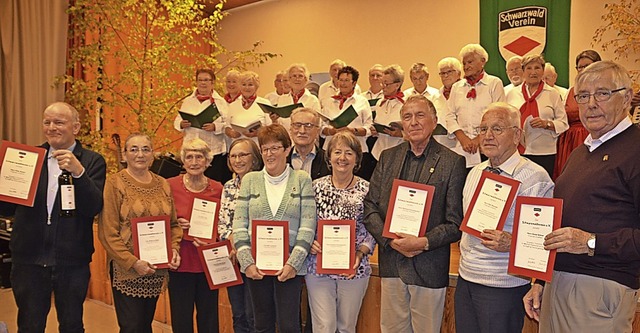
{"x": 230, "y": 99}
{"x": 472, "y": 83}
{"x": 398, "y": 95}
{"x": 446, "y": 92}
{"x": 202, "y": 98}
{"x": 296, "y": 97}
{"x": 530, "y": 107}
{"x": 246, "y": 102}
{"x": 342, "y": 98}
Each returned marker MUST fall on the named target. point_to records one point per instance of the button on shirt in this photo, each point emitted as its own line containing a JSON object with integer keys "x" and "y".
{"x": 297, "y": 163}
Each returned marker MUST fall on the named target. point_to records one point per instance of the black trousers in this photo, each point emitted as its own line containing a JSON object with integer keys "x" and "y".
{"x": 185, "y": 291}
{"x": 135, "y": 314}
{"x": 548, "y": 162}
{"x": 276, "y": 302}
{"x": 32, "y": 287}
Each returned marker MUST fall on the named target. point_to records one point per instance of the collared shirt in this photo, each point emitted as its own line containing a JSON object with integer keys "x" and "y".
{"x": 413, "y": 164}
{"x": 592, "y": 144}
{"x": 429, "y": 92}
{"x": 331, "y": 109}
{"x": 215, "y": 139}
{"x": 52, "y": 182}
{"x": 369, "y": 95}
{"x": 308, "y": 100}
{"x": 297, "y": 163}
{"x": 327, "y": 90}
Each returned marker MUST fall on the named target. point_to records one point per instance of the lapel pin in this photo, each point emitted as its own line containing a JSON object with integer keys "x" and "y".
{"x": 605, "y": 157}
{"x": 432, "y": 170}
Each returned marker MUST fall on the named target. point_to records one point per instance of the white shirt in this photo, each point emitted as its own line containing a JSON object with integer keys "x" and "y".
{"x": 563, "y": 92}
{"x": 254, "y": 112}
{"x": 272, "y": 97}
{"x": 440, "y": 103}
{"x": 541, "y": 141}
{"x": 331, "y": 109}
{"x": 385, "y": 114}
{"x": 429, "y": 92}
{"x": 327, "y": 89}
{"x": 307, "y": 99}
{"x": 369, "y": 95}
{"x": 215, "y": 139}
{"x": 466, "y": 113}
{"x": 592, "y": 144}
{"x": 510, "y": 87}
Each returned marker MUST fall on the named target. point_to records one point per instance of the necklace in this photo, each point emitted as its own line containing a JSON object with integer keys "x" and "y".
{"x": 194, "y": 186}
{"x": 348, "y": 184}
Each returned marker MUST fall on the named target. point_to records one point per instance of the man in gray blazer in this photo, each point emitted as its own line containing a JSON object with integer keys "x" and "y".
{"x": 414, "y": 270}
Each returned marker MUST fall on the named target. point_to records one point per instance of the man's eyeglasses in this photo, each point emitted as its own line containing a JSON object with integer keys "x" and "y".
{"x": 496, "y": 130}
{"x": 307, "y": 126}
{"x": 601, "y": 95}
{"x": 271, "y": 150}
{"x": 144, "y": 150}
{"x": 447, "y": 73}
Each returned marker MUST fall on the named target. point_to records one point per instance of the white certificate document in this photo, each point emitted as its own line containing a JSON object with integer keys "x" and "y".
{"x": 16, "y": 172}
{"x": 270, "y": 247}
{"x": 336, "y": 246}
{"x": 408, "y": 210}
{"x": 203, "y": 216}
{"x": 536, "y": 221}
{"x": 152, "y": 242}
{"x": 219, "y": 265}
{"x": 489, "y": 205}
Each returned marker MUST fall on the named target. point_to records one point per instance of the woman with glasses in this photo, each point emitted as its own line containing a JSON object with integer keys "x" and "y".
{"x": 277, "y": 193}
{"x": 213, "y": 132}
{"x": 575, "y": 135}
{"x": 335, "y": 300}
{"x": 133, "y": 193}
{"x": 244, "y": 157}
{"x": 388, "y": 112}
{"x": 244, "y": 116}
{"x": 188, "y": 285}
{"x": 542, "y": 114}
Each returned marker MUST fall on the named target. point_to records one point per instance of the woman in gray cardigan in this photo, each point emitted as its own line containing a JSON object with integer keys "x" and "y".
{"x": 276, "y": 193}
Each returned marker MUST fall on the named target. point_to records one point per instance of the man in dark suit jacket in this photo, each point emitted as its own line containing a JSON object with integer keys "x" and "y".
{"x": 414, "y": 270}
{"x": 306, "y": 155}
{"x": 51, "y": 253}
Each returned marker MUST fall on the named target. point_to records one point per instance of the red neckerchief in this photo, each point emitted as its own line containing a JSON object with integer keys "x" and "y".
{"x": 229, "y": 99}
{"x": 398, "y": 95}
{"x": 246, "y": 102}
{"x": 472, "y": 83}
{"x": 202, "y": 98}
{"x": 446, "y": 92}
{"x": 296, "y": 97}
{"x": 342, "y": 98}
{"x": 530, "y": 106}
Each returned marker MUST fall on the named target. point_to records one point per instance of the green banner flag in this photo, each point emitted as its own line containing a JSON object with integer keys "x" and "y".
{"x": 521, "y": 27}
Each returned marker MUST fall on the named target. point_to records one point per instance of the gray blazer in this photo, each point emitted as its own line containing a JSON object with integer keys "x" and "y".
{"x": 446, "y": 171}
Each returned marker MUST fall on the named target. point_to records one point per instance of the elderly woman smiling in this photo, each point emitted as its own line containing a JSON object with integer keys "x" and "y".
{"x": 276, "y": 193}
{"x": 542, "y": 114}
{"x": 245, "y": 109}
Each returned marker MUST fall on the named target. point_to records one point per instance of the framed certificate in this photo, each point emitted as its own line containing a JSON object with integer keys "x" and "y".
{"x": 534, "y": 219}
{"x": 152, "y": 239}
{"x": 270, "y": 245}
{"x": 409, "y": 207}
{"x": 20, "y": 167}
{"x": 490, "y": 204}
{"x": 338, "y": 241}
{"x": 204, "y": 219}
{"x": 217, "y": 266}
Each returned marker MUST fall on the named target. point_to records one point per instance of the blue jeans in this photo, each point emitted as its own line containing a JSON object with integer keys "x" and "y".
{"x": 32, "y": 287}
{"x": 276, "y": 302}
{"x": 241, "y": 307}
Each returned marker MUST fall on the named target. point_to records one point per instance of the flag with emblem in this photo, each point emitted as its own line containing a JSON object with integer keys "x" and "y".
{"x": 522, "y": 27}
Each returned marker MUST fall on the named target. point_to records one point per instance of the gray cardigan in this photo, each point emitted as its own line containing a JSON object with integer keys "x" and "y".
{"x": 443, "y": 169}
{"x": 298, "y": 207}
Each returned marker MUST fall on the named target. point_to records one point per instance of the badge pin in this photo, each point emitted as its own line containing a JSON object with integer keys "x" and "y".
{"x": 605, "y": 157}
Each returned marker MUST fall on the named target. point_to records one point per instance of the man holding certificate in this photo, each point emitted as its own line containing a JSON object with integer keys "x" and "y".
{"x": 487, "y": 299}
{"x": 597, "y": 269}
{"x": 51, "y": 253}
{"x": 415, "y": 269}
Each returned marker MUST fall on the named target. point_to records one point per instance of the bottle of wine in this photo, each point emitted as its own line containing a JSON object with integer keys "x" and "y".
{"x": 67, "y": 194}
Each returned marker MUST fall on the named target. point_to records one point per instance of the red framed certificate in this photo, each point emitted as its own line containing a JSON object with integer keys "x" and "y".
{"x": 203, "y": 220}
{"x": 338, "y": 241}
{"x": 409, "y": 208}
{"x": 20, "y": 167}
{"x": 270, "y": 245}
{"x": 217, "y": 266}
{"x": 152, "y": 239}
{"x": 490, "y": 203}
{"x": 534, "y": 219}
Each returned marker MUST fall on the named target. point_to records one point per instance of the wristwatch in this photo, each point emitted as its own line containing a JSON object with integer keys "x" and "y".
{"x": 591, "y": 245}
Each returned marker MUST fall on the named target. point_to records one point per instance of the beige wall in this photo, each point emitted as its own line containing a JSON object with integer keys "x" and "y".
{"x": 366, "y": 32}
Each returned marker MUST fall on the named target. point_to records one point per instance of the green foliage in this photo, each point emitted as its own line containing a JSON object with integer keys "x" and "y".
{"x": 133, "y": 61}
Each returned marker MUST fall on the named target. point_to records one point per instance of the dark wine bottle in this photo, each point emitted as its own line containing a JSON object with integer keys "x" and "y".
{"x": 67, "y": 194}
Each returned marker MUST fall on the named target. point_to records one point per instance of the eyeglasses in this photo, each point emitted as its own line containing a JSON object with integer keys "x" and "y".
{"x": 238, "y": 155}
{"x": 601, "y": 95}
{"x": 389, "y": 83}
{"x": 144, "y": 150}
{"x": 447, "y": 73}
{"x": 496, "y": 130}
{"x": 271, "y": 150}
{"x": 204, "y": 80}
{"x": 307, "y": 126}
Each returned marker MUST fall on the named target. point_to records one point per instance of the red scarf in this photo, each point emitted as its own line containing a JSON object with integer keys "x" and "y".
{"x": 202, "y": 98}
{"x": 342, "y": 98}
{"x": 246, "y": 102}
{"x": 472, "y": 83}
{"x": 530, "y": 107}
{"x": 397, "y": 96}
{"x": 230, "y": 99}
{"x": 296, "y": 97}
{"x": 446, "y": 92}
